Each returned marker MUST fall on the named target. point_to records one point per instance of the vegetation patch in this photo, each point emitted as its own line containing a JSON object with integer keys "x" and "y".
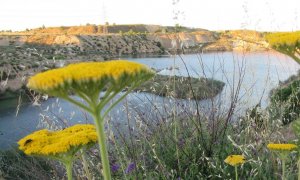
{"x": 14, "y": 164}
{"x": 185, "y": 87}
{"x": 285, "y": 100}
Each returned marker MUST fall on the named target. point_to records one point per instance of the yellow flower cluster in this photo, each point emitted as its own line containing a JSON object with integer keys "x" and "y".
{"x": 235, "y": 160}
{"x": 44, "y": 142}
{"x": 87, "y": 72}
{"x": 282, "y": 147}
{"x": 283, "y": 38}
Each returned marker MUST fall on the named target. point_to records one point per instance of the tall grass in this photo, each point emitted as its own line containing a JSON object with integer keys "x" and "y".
{"x": 184, "y": 140}
{"x": 14, "y": 164}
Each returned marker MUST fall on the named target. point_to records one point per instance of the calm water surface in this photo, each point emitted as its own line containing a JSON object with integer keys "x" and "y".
{"x": 263, "y": 71}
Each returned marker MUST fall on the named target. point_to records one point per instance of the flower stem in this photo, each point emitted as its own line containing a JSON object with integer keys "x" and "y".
{"x": 102, "y": 146}
{"x": 68, "y": 166}
{"x": 298, "y": 163}
{"x": 236, "y": 173}
{"x": 283, "y": 169}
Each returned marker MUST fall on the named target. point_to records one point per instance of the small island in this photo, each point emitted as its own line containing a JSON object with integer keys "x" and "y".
{"x": 185, "y": 87}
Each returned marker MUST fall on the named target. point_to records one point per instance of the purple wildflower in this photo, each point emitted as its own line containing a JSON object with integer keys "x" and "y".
{"x": 115, "y": 167}
{"x": 130, "y": 168}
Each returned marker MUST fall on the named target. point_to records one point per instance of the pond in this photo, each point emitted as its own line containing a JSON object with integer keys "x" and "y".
{"x": 258, "y": 73}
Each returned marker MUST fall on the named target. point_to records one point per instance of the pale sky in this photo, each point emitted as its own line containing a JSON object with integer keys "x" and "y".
{"x": 261, "y": 15}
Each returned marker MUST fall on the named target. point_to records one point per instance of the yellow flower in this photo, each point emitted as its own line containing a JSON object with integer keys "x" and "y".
{"x": 235, "y": 160}
{"x": 44, "y": 142}
{"x": 83, "y": 75}
{"x": 282, "y": 147}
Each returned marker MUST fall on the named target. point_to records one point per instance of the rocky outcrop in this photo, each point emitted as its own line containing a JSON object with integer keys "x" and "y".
{"x": 75, "y": 46}
{"x": 207, "y": 41}
{"x": 183, "y": 40}
{"x": 239, "y": 40}
{"x": 117, "y": 45}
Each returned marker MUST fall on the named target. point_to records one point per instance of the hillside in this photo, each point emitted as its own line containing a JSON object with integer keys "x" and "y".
{"x": 109, "y": 41}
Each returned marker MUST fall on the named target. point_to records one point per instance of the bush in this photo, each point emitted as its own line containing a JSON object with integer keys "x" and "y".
{"x": 285, "y": 102}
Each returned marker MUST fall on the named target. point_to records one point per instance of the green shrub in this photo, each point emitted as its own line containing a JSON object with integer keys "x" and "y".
{"x": 285, "y": 102}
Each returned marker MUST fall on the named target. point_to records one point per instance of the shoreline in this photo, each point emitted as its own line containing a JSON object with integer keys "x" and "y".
{"x": 17, "y": 84}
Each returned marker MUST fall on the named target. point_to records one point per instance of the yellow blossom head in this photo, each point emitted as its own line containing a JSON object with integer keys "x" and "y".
{"x": 235, "y": 160}
{"x": 44, "y": 142}
{"x": 89, "y": 77}
{"x": 282, "y": 147}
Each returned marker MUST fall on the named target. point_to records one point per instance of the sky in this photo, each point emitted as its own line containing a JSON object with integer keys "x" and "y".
{"x": 261, "y": 15}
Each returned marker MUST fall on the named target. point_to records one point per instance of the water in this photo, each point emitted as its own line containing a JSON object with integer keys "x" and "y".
{"x": 263, "y": 71}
